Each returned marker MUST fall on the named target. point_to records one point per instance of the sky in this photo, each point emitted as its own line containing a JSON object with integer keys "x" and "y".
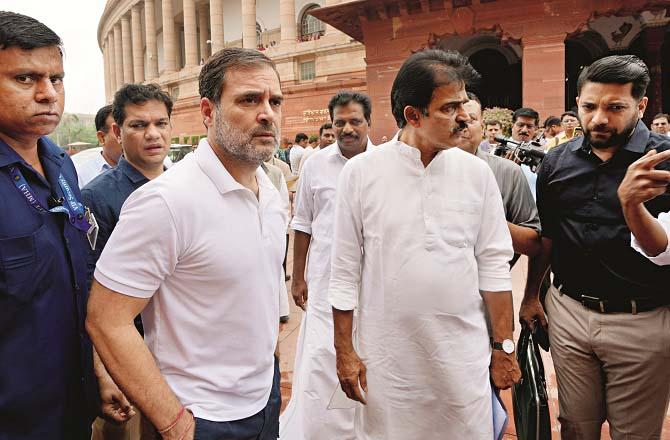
{"x": 76, "y": 22}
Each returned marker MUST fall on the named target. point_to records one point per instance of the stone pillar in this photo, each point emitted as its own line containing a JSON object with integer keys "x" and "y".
{"x": 150, "y": 36}
{"x": 216, "y": 24}
{"x": 127, "y": 50}
{"x": 138, "y": 47}
{"x": 118, "y": 52}
{"x": 287, "y": 21}
{"x": 203, "y": 26}
{"x": 249, "y": 24}
{"x": 105, "y": 62}
{"x": 169, "y": 53}
{"x": 653, "y": 42}
{"x": 190, "y": 34}
{"x": 112, "y": 65}
{"x": 543, "y": 74}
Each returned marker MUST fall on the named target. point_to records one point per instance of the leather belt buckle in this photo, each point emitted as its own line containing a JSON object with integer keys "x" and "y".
{"x": 593, "y": 303}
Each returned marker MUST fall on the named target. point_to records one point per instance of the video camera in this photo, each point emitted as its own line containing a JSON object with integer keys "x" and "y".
{"x": 528, "y": 153}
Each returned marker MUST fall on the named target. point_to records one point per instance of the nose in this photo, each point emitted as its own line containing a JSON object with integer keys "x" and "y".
{"x": 348, "y": 128}
{"x": 599, "y": 117}
{"x": 266, "y": 113}
{"x": 151, "y": 132}
{"x": 461, "y": 114}
{"x": 46, "y": 92}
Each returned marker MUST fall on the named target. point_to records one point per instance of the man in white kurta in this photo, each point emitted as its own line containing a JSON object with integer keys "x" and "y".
{"x": 310, "y": 413}
{"x": 421, "y": 250}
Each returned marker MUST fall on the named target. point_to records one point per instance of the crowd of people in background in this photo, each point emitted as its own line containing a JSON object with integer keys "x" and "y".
{"x": 142, "y": 302}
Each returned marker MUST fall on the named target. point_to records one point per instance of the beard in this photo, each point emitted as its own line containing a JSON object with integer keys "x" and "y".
{"x": 615, "y": 139}
{"x": 240, "y": 144}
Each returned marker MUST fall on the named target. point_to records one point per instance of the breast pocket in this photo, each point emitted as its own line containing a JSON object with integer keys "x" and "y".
{"x": 459, "y": 223}
{"x": 22, "y": 268}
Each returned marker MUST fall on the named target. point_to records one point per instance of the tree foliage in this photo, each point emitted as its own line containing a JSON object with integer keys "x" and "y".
{"x": 73, "y": 128}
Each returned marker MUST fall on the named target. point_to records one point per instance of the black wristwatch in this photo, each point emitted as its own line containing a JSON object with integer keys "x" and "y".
{"x": 507, "y": 345}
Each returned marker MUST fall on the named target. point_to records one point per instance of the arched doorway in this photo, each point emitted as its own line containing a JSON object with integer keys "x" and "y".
{"x": 580, "y": 51}
{"x": 500, "y": 85}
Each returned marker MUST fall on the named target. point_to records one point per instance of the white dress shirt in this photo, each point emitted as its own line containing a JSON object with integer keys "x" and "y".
{"x": 208, "y": 253}
{"x": 662, "y": 259}
{"x": 294, "y": 157}
{"x": 413, "y": 246}
{"x": 91, "y": 168}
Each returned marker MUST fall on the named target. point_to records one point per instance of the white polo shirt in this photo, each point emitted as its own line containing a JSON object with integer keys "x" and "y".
{"x": 209, "y": 255}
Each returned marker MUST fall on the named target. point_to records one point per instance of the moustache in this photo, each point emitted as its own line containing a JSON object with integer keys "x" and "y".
{"x": 348, "y": 136}
{"x": 263, "y": 129}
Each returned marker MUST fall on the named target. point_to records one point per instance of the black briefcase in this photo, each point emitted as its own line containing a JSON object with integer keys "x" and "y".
{"x": 529, "y": 397}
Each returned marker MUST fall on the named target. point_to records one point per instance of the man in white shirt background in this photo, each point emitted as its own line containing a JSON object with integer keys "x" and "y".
{"x": 308, "y": 415}
{"x": 421, "y": 250}
{"x": 111, "y": 151}
{"x": 296, "y": 152}
{"x": 661, "y": 124}
{"x": 198, "y": 251}
{"x": 326, "y": 137}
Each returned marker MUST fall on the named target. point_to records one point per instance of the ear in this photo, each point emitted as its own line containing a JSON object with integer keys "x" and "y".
{"x": 207, "y": 110}
{"x": 412, "y": 116}
{"x": 117, "y": 131}
{"x": 642, "y": 106}
{"x": 101, "y": 137}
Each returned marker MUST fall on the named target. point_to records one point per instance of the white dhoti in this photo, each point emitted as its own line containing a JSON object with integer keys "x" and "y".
{"x": 309, "y": 415}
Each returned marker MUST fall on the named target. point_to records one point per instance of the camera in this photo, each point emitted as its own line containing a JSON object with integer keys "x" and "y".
{"x": 528, "y": 153}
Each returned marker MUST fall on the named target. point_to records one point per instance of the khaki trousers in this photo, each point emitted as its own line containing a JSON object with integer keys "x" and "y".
{"x": 613, "y": 367}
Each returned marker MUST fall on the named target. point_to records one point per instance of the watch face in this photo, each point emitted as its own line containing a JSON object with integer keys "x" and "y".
{"x": 508, "y": 346}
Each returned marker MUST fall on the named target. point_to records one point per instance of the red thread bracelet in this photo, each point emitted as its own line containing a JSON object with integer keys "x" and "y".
{"x": 173, "y": 424}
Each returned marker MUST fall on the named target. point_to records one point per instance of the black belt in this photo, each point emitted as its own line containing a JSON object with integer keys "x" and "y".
{"x": 618, "y": 305}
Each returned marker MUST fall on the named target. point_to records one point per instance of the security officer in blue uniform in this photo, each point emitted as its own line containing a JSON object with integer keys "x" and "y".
{"x": 48, "y": 388}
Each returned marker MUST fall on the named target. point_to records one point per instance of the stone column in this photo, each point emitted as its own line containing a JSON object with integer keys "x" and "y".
{"x": 112, "y": 65}
{"x": 653, "y": 42}
{"x": 287, "y": 21}
{"x": 138, "y": 47}
{"x": 169, "y": 54}
{"x": 190, "y": 34}
{"x": 105, "y": 62}
{"x": 203, "y": 18}
{"x": 127, "y": 50}
{"x": 216, "y": 24}
{"x": 150, "y": 36}
{"x": 543, "y": 73}
{"x": 118, "y": 59}
{"x": 249, "y": 24}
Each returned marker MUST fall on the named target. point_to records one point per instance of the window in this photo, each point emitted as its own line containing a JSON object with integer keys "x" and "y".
{"x": 307, "y": 71}
{"x": 311, "y": 28}
{"x": 259, "y": 35}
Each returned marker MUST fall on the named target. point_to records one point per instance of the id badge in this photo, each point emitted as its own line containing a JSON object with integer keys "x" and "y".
{"x": 92, "y": 233}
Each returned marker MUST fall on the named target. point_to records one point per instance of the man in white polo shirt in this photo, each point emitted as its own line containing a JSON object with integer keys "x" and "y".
{"x": 198, "y": 251}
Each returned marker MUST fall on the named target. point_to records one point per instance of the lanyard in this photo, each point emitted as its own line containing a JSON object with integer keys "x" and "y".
{"x": 75, "y": 211}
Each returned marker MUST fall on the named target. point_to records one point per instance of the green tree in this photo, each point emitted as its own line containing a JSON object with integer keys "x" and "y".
{"x": 72, "y": 128}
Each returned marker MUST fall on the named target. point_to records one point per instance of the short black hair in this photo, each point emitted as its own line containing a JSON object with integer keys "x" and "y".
{"x": 344, "y": 97}
{"x": 569, "y": 113}
{"x": 422, "y": 73}
{"x": 551, "y": 121}
{"x": 17, "y": 30}
{"x": 326, "y": 126}
{"x": 661, "y": 115}
{"x": 300, "y": 137}
{"x": 617, "y": 69}
{"x": 101, "y": 118}
{"x": 526, "y": 112}
{"x": 212, "y": 76}
{"x": 492, "y": 122}
{"x": 138, "y": 94}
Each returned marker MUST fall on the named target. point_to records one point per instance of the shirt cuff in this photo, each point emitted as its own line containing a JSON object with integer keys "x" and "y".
{"x": 662, "y": 259}
{"x": 495, "y": 283}
{"x": 343, "y": 296}
{"x": 298, "y": 224}
{"x": 122, "y": 288}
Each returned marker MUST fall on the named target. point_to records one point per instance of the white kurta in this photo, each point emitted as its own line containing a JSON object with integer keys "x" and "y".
{"x": 307, "y": 416}
{"x": 431, "y": 238}
{"x": 662, "y": 259}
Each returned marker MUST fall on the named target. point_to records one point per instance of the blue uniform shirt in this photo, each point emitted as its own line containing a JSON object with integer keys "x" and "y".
{"x": 47, "y": 387}
{"x": 105, "y": 196}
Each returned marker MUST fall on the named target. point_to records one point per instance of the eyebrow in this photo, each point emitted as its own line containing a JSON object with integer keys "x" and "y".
{"x": 146, "y": 121}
